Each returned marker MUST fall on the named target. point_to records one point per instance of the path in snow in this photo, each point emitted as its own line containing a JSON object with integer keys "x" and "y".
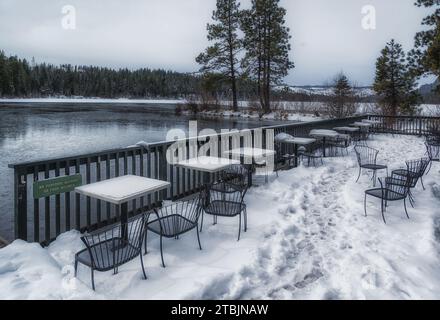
{"x": 323, "y": 248}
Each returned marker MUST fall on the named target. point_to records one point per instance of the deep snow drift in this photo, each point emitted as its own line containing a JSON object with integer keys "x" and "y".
{"x": 307, "y": 239}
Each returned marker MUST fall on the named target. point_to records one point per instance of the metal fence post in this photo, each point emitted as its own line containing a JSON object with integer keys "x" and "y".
{"x": 20, "y": 204}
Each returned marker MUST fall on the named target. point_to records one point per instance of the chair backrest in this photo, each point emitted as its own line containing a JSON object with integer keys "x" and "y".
{"x": 227, "y": 192}
{"x": 433, "y": 151}
{"x": 188, "y": 209}
{"x": 115, "y": 245}
{"x": 416, "y": 169}
{"x": 400, "y": 185}
{"x": 236, "y": 174}
{"x": 366, "y": 155}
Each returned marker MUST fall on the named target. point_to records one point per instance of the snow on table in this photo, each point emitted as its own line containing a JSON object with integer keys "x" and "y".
{"x": 324, "y": 133}
{"x": 251, "y": 152}
{"x": 122, "y": 189}
{"x": 362, "y": 124}
{"x": 346, "y": 129}
{"x": 300, "y": 141}
{"x": 207, "y": 164}
{"x": 307, "y": 238}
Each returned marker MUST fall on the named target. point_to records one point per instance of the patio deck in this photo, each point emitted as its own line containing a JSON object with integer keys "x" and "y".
{"x": 317, "y": 244}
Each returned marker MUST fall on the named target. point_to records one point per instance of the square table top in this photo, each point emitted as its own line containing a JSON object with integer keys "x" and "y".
{"x": 122, "y": 189}
{"x": 300, "y": 141}
{"x": 347, "y": 129}
{"x": 324, "y": 133}
{"x": 207, "y": 164}
{"x": 251, "y": 152}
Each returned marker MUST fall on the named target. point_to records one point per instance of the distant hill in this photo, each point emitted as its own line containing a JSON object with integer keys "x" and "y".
{"x": 428, "y": 92}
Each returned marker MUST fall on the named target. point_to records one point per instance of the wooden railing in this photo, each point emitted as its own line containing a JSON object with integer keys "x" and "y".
{"x": 42, "y": 220}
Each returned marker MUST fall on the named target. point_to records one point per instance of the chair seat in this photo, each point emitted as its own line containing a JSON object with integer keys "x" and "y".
{"x": 171, "y": 226}
{"x": 108, "y": 254}
{"x": 374, "y": 166}
{"x": 386, "y": 194}
{"x": 225, "y": 208}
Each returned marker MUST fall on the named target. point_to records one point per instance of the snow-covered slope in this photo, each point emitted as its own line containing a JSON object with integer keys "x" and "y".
{"x": 307, "y": 239}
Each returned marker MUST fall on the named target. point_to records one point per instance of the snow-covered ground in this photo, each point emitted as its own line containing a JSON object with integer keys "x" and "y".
{"x": 307, "y": 239}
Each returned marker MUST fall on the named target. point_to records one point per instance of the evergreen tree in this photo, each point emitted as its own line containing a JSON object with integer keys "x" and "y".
{"x": 221, "y": 57}
{"x": 267, "y": 47}
{"x": 394, "y": 83}
{"x": 425, "y": 57}
{"x": 341, "y": 103}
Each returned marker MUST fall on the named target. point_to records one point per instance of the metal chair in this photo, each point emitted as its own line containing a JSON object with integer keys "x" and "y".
{"x": 284, "y": 158}
{"x": 367, "y": 159}
{"x": 109, "y": 248}
{"x": 236, "y": 174}
{"x": 225, "y": 200}
{"x": 391, "y": 189}
{"x": 415, "y": 169}
{"x": 174, "y": 220}
{"x": 312, "y": 152}
{"x": 433, "y": 151}
{"x": 342, "y": 142}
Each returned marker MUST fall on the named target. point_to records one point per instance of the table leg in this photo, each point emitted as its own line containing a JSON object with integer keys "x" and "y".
{"x": 323, "y": 147}
{"x": 296, "y": 155}
{"x": 124, "y": 221}
{"x": 250, "y": 176}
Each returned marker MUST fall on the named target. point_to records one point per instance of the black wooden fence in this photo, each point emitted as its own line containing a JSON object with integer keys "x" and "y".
{"x": 406, "y": 125}
{"x": 42, "y": 220}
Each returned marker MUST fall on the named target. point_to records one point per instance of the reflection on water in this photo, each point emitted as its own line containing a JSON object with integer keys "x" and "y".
{"x": 39, "y": 131}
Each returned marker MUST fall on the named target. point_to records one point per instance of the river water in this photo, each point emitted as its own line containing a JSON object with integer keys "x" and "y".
{"x": 34, "y": 131}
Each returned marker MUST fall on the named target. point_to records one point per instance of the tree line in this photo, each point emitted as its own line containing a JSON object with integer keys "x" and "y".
{"x": 19, "y": 78}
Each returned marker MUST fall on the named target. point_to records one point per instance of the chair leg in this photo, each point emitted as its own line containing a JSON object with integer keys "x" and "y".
{"x": 201, "y": 223}
{"x": 239, "y": 227}
{"x": 423, "y": 185}
{"x": 365, "y": 205}
{"x": 161, "y": 251}
{"x": 142, "y": 265}
{"x": 359, "y": 176}
{"x": 93, "y": 278}
{"x": 145, "y": 242}
{"x": 76, "y": 267}
{"x": 430, "y": 167}
{"x": 406, "y": 210}
{"x": 198, "y": 238}
{"x": 383, "y": 213}
{"x": 245, "y": 219}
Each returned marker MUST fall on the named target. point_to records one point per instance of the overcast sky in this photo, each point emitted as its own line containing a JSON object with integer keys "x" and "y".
{"x": 327, "y": 34}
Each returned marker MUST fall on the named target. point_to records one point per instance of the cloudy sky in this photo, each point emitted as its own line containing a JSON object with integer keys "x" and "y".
{"x": 327, "y": 35}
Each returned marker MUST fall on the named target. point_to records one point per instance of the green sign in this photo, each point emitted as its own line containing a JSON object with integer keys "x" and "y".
{"x": 50, "y": 187}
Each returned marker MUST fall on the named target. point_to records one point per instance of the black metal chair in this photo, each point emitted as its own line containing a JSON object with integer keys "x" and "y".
{"x": 367, "y": 159}
{"x": 284, "y": 157}
{"x": 415, "y": 169}
{"x": 109, "y": 248}
{"x": 433, "y": 151}
{"x": 341, "y": 142}
{"x": 312, "y": 152}
{"x": 226, "y": 200}
{"x": 236, "y": 174}
{"x": 392, "y": 189}
{"x": 174, "y": 220}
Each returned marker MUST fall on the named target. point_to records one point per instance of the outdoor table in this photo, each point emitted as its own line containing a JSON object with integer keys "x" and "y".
{"x": 371, "y": 121}
{"x": 120, "y": 191}
{"x": 346, "y": 130}
{"x": 250, "y": 153}
{"x": 324, "y": 134}
{"x": 207, "y": 165}
{"x": 362, "y": 124}
{"x": 298, "y": 142}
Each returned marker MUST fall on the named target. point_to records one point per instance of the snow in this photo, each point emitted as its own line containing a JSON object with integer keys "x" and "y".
{"x": 308, "y": 238}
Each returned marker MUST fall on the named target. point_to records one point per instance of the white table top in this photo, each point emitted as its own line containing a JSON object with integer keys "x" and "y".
{"x": 122, "y": 189}
{"x": 324, "y": 133}
{"x": 207, "y": 164}
{"x": 362, "y": 124}
{"x": 300, "y": 141}
{"x": 348, "y": 129}
{"x": 251, "y": 152}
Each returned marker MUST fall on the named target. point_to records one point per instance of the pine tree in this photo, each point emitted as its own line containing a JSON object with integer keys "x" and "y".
{"x": 341, "y": 103}
{"x": 394, "y": 83}
{"x": 425, "y": 57}
{"x": 267, "y": 44}
{"x": 221, "y": 57}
